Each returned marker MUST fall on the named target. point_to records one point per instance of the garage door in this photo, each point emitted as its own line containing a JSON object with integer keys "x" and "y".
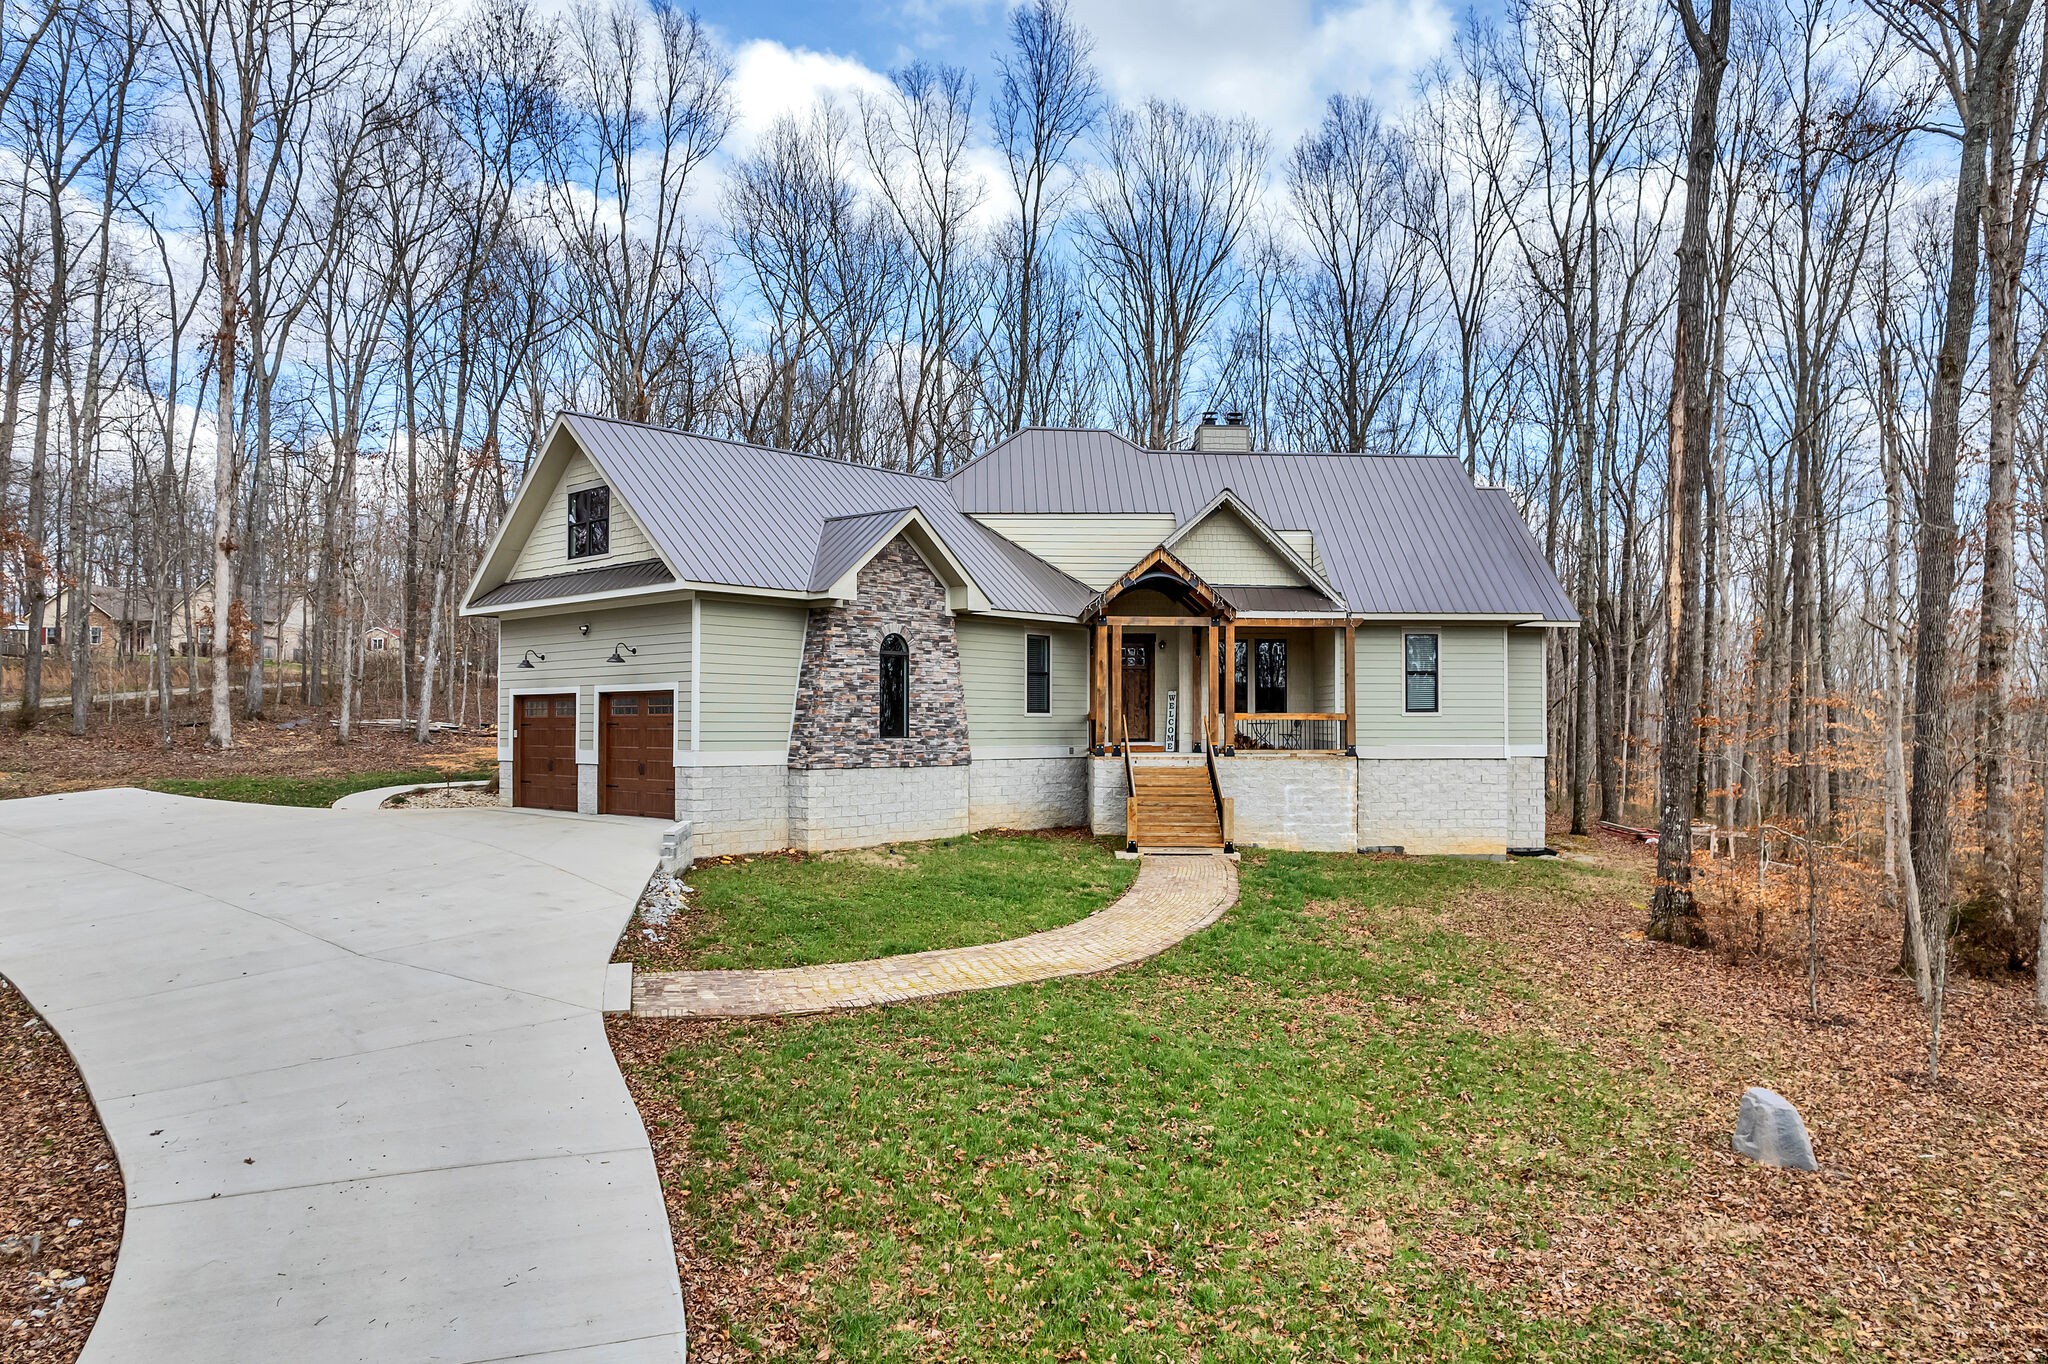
{"x": 544, "y": 752}
{"x": 637, "y": 754}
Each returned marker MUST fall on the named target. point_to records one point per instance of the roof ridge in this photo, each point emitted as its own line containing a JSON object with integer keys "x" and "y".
{"x": 753, "y": 445}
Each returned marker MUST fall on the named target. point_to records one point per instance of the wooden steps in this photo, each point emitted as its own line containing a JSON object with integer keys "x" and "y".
{"x": 1174, "y": 806}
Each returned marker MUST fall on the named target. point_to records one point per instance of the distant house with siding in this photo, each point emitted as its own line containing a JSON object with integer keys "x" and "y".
{"x": 1181, "y": 647}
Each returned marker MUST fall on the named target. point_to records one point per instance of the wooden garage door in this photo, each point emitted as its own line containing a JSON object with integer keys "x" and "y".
{"x": 544, "y": 752}
{"x": 637, "y": 753}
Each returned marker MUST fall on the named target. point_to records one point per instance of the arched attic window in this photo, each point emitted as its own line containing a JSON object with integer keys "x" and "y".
{"x": 895, "y": 687}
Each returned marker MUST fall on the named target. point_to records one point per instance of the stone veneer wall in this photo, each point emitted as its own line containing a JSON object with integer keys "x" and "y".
{"x": 838, "y": 696}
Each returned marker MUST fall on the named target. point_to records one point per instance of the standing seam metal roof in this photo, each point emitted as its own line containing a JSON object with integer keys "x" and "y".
{"x": 1398, "y": 535}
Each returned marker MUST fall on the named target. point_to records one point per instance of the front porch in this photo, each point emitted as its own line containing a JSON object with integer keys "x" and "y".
{"x": 1176, "y": 666}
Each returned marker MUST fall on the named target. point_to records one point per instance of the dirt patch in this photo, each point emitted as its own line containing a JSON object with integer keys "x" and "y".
{"x": 1926, "y": 1229}
{"x": 290, "y": 741}
{"x": 61, "y": 1196}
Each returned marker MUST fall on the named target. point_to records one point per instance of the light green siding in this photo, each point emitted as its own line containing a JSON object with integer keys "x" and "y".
{"x": 577, "y": 661}
{"x": 1225, "y": 549}
{"x": 547, "y": 549}
{"x": 1097, "y": 550}
{"x": 992, "y": 674}
{"x": 1471, "y": 711}
{"x": 753, "y": 651}
{"x": 1526, "y": 699}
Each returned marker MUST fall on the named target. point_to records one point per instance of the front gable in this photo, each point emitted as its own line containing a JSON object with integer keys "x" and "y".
{"x": 1227, "y": 542}
{"x": 532, "y": 543}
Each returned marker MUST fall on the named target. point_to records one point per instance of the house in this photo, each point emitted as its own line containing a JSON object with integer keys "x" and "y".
{"x": 380, "y": 639}
{"x": 1314, "y": 651}
{"x": 111, "y": 622}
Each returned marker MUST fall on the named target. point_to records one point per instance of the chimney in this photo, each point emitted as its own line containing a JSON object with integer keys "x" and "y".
{"x": 1230, "y": 434}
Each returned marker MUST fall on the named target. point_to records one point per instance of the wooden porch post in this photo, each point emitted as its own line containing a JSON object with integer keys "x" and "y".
{"x": 1351, "y": 687}
{"x": 1116, "y": 678}
{"x": 1227, "y": 680}
{"x": 1098, "y": 685}
{"x": 1203, "y": 650}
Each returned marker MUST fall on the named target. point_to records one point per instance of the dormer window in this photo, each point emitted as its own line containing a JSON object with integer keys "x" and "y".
{"x": 590, "y": 522}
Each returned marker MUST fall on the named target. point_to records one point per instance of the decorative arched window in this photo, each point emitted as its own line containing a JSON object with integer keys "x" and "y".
{"x": 895, "y": 687}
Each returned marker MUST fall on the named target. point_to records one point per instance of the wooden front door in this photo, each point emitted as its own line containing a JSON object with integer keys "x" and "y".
{"x": 544, "y": 752}
{"x": 636, "y": 754}
{"x": 1139, "y": 653}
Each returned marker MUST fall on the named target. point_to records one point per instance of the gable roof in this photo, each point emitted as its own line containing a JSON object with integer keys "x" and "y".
{"x": 1399, "y": 535}
{"x": 1395, "y": 535}
{"x": 1228, "y": 503}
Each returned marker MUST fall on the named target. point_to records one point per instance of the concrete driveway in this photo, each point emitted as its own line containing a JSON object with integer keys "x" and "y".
{"x": 355, "y": 1070}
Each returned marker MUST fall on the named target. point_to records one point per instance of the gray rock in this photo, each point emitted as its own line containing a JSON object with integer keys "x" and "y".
{"x": 1768, "y": 1130}
{"x": 21, "y": 1249}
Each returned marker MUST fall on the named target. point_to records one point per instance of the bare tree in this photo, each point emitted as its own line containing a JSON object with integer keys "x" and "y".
{"x": 1165, "y": 210}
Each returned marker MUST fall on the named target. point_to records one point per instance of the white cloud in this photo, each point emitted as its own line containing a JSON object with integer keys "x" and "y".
{"x": 769, "y": 80}
{"x": 1275, "y": 60}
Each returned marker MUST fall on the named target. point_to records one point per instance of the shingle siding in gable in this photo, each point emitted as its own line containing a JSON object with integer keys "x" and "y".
{"x": 1224, "y": 549}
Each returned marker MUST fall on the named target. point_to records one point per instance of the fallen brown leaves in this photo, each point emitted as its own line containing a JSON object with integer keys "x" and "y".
{"x": 60, "y": 1185}
{"x": 1926, "y": 1230}
{"x": 291, "y": 741}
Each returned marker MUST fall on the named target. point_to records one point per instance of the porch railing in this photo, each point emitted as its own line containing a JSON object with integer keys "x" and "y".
{"x": 1289, "y": 732}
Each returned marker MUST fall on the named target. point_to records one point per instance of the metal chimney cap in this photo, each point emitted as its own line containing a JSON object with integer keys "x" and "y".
{"x": 1233, "y": 419}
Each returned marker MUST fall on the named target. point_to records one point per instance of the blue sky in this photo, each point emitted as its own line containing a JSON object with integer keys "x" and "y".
{"x": 1274, "y": 59}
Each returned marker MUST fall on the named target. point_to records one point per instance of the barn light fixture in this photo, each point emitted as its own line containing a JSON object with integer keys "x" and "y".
{"x": 619, "y": 652}
{"x": 526, "y": 659}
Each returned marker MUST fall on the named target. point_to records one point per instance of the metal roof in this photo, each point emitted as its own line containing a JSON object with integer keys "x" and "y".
{"x": 724, "y": 512}
{"x": 610, "y": 578}
{"x": 1257, "y": 599}
{"x": 1398, "y": 534}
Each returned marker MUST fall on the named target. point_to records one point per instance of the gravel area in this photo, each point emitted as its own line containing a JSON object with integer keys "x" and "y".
{"x": 445, "y": 798}
{"x": 61, "y": 1196}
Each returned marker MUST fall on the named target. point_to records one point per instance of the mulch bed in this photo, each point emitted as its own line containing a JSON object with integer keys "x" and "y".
{"x": 59, "y": 1182}
{"x": 290, "y": 741}
{"x": 1925, "y": 1232}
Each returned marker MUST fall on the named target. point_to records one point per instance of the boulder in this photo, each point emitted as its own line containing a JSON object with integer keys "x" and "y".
{"x": 1768, "y": 1130}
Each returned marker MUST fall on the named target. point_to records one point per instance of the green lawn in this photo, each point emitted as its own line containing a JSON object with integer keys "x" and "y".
{"x": 911, "y": 897}
{"x": 304, "y": 790}
{"x": 1234, "y": 1152}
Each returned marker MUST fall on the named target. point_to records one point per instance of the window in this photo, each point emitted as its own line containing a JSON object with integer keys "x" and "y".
{"x": 376, "y": 644}
{"x": 1038, "y": 674}
{"x": 96, "y": 636}
{"x": 49, "y": 634}
{"x": 1261, "y": 675}
{"x": 590, "y": 522}
{"x": 1420, "y": 652}
{"x": 625, "y": 705}
{"x": 895, "y": 688}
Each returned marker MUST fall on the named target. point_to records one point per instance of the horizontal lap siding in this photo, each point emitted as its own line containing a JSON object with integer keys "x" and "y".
{"x": 577, "y": 662}
{"x": 992, "y": 670}
{"x": 1096, "y": 550}
{"x": 1469, "y": 702}
{"x": 753, "y": 651}
{"x": 547, "y": 549}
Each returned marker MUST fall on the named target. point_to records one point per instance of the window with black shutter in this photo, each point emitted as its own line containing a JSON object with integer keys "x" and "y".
{"x": 590, "y": 522}
{"x": 1038, "y": 674}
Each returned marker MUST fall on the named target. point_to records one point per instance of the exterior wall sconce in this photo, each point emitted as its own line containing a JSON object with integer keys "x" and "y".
{"x": 619, "y": 652}
{"x": 584, "y": 628}
{"x": 526, "y": 659}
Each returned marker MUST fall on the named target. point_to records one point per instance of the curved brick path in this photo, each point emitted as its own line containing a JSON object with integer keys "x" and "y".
{"x": 1174, "y": 895}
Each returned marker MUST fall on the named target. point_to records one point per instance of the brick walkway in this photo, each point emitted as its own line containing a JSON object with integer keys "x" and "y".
{"x": 1174, "y": 895}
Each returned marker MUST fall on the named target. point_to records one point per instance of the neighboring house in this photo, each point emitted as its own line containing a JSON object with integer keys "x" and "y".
{"x": 381, "y": 639}
{"x": 110, "y": 623}
{"x": 1317, "y": 651}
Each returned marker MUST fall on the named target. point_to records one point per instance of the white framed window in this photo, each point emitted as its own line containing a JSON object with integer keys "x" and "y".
{"x": 1420, "y": 674}
{"x": 376, "y": 644}
{"x": 96, "y": 636}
